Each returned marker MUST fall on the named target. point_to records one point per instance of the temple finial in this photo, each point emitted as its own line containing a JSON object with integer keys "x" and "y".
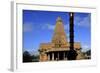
{"x": 59, "y": 19}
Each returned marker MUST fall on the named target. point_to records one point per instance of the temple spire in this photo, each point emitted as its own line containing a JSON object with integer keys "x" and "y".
{"x": 59, "y": 19}
{"x": 59, "y": 33}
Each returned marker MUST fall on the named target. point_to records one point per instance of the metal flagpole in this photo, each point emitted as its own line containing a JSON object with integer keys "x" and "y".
{"x": 71, "y": 53}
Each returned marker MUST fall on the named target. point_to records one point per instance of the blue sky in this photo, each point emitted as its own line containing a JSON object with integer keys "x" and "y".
{"x": 38, "y": 27}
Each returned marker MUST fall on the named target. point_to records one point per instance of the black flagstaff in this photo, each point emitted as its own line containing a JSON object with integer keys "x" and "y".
{"x": 71, "y": 53}
{"x": 71, "y": 19}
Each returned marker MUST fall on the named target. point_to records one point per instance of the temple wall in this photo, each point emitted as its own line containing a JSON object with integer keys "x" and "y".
{"x": 43, "y": 57}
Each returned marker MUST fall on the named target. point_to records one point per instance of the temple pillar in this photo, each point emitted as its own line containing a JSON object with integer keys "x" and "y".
{"x": 58, "y": 56}
{"x": 48, "y": 57}
{"x": 52, "y": 56}
{"x": 64, "y": 55}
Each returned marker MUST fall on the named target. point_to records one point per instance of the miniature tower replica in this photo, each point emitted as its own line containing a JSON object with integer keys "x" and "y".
{"x": 58, "y": 48}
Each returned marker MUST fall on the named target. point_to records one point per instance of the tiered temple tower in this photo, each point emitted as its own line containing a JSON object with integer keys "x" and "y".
{"x": 58, "y": 48}
{"x": 59, "y": 33}
{"x": 59, "y": 37}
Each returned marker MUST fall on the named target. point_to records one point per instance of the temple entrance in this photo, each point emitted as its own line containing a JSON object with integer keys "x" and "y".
{"x": 61, "y": 56}
{"x": 57, "y": 55}
{"x": 50, "y": 56}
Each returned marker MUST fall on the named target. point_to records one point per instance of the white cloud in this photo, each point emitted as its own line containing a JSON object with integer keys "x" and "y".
{"x": 48, "y": 26}
{"x": 31, "y": 51}
{"x": 85, "y": 22}
{"x": 27, "y": 27}
{"x": 52, "y": 27}
{"x": 85, "y": 47}
{"x": 66, "y": 27}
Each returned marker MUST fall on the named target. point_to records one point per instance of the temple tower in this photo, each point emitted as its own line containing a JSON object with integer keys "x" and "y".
{"x": 59, "y": 36}
{"x": 59, "y": 46}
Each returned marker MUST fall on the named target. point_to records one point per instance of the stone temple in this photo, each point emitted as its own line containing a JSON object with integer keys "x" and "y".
{"x": 59, "y": 46}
